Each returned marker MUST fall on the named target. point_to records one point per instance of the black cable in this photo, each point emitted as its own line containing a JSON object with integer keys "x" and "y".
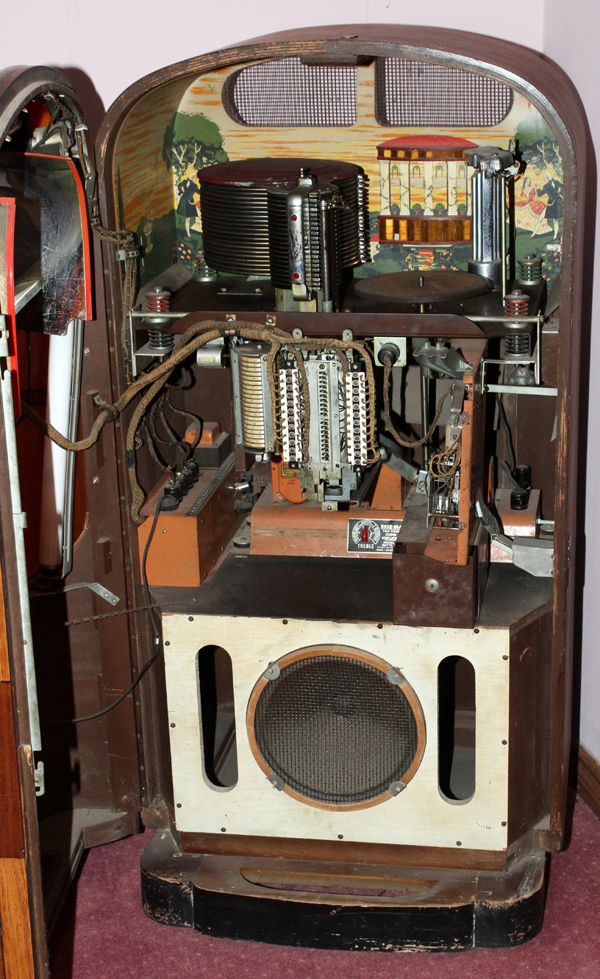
{"x": 146, "y": 667}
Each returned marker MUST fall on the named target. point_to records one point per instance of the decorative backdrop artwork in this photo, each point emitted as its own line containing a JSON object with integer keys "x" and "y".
{"x": 188, "y": 128}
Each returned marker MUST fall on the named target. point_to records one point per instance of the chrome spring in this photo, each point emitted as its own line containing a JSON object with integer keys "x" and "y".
{"x": 516, "y": 303}
{"x": 161, "y": 341}
{"x": 517, "y": 345}
{"x": 529, "y": 269}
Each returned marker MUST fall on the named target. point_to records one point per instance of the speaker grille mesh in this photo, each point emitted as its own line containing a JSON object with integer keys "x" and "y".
{"x": 288, "y": 93}
{"x": 335, "y": 729}
{"x": 415, "y": 93}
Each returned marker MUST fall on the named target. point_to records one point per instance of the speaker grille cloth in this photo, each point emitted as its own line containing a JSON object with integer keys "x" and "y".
{"x": 335, "y": 729}
{"x": 415, "y": 93}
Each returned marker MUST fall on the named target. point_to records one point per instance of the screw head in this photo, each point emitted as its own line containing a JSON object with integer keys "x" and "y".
{"x": 432, "y": 585}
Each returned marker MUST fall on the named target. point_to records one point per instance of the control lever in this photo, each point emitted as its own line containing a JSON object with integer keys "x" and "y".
{"x": 528, "y": 553}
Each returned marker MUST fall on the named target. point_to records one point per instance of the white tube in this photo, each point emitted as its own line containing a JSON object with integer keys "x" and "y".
{"x": 60, "y": 365}
{"x": 19, "y": 523}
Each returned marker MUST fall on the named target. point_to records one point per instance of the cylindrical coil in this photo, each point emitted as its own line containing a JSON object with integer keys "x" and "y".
{"x": 516, "y": 303}
{"x": 252, "y": 394}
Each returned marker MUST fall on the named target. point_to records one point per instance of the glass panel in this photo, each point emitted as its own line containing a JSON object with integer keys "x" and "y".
{"x": 51, "y": 237}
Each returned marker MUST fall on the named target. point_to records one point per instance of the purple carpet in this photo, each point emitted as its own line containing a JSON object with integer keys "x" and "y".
{"x": 104, "y": 933}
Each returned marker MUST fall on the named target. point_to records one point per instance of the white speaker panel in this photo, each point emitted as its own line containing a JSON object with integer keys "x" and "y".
{"x": 420, "y": 815}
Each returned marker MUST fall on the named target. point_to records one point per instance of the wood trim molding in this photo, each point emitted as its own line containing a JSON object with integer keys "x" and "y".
{"x": 587, "y": 771}
{"x": 14, "y": 913}
{"x": 333, "y": 851}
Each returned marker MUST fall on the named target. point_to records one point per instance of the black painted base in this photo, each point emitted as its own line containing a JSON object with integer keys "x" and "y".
{"x": 408, "y": 909}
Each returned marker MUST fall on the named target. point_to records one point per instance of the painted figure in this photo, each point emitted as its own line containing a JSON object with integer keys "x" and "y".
{"x": 188, "y": 189}
{"x": 526, "y": 198}
{"x": 553, "y": 210}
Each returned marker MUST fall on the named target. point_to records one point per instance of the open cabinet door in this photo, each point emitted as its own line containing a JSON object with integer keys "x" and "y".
{"x": 60, "y": 557}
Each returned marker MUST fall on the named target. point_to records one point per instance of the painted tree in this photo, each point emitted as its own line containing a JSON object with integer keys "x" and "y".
{"x": 537, "y": 144}
{"x": 191, "y": 140}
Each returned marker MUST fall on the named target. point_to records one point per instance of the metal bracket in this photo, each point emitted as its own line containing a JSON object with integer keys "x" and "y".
{"x": 272, "y": 673}
{"x": 276, "y": 782}
{"x": 443, "y": 360}
{"x": 95, "y": 587}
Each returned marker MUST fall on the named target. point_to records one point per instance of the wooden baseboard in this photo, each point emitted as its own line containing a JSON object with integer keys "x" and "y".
{"x": 588, "y": 778}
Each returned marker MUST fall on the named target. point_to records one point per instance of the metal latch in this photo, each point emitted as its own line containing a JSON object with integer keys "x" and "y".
{"x": 3, "y": 337}
{"x": 38, "y": 777}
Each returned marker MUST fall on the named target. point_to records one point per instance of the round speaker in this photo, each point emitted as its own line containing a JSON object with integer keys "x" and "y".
{"x": 336, "y": 727}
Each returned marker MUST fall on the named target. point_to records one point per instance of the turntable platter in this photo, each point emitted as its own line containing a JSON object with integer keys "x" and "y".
{"x": 422, "y": 287}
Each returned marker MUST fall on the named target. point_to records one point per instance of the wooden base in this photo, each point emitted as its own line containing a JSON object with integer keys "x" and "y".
{"x": 362, "y": 907}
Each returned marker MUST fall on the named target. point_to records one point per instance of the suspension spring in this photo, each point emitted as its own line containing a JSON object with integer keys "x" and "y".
{"x": 529, "y": 269}
{"x": 158, "y": 300}
{"x": 517, "y": 345}
{"x": 516, "y": 303}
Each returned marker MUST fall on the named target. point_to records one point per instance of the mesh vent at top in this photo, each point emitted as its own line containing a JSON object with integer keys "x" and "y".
{"x": 335, "y": 730}
{"x": 415, "y": 93}
{"x": 288, "y": 93}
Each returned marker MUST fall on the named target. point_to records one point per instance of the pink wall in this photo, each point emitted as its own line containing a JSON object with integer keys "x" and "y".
{"x": 118, "y": 41}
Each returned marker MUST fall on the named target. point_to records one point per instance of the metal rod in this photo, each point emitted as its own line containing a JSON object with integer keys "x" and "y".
{"x": 425, "y": 414}
{"x": 155, "y": 316}
{"x": 503, "y": 214}
{"x": 327, "y": 304}
{"x": 502, "y": 319}
{"x": 520, "y": 389}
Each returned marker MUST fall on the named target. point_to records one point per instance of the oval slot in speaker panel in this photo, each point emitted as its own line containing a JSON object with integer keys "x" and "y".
{"x": 217, "y": 716}
{"x": 456, "y": 729}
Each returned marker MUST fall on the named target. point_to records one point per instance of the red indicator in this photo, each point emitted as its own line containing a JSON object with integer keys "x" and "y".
{"x": 294, "y": 218}
{"x": 296, "y": 275}
{"x": 365, "y": 534}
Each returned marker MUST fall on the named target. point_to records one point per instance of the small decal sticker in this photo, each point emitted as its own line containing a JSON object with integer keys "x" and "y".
{"x": 374, "y": 536}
